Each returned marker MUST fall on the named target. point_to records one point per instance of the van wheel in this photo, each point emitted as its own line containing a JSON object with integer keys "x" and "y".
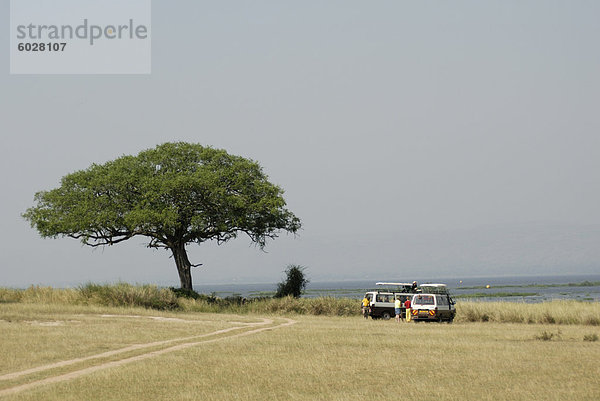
{"x": 386, "y": 315}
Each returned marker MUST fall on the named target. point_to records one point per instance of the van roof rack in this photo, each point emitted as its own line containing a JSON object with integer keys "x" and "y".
{"x": 398, "y": 284}
{"x": 434, "y": 288}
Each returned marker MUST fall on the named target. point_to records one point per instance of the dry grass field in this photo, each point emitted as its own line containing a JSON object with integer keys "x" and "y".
{"x": 70, "y": 352}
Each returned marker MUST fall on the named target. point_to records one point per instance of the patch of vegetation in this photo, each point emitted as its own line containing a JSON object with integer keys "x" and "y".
{"x": 590, "y": 337}
{"x": 185, "y": 293}
{"x": 547, "y": 336}
{"x": 585, "y": 284}
{"x": 294, "y": 284}
{"x": 123, "y": 294}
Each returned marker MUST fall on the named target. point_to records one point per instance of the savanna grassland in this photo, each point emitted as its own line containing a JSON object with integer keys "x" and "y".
{"x": 63, "y": 350}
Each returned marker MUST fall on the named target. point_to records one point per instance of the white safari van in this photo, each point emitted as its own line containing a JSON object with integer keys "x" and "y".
{"x": 381, "y": 301}
{"x": 433, "y": 304}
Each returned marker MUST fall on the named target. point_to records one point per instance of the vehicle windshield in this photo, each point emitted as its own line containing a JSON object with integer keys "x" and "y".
{"x": 423, "y": 300}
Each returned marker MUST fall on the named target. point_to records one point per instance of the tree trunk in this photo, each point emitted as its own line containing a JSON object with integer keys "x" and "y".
{"x": 183, "y": 266}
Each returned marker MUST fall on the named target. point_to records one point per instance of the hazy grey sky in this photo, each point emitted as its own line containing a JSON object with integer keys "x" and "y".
{"x": 412, "y": 138}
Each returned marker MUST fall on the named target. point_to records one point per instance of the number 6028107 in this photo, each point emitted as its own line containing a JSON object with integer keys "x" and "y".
{"x": 42, "y": 47}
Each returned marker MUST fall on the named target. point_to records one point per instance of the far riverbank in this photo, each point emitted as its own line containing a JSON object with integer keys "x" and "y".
{"x": 528, "y": 289}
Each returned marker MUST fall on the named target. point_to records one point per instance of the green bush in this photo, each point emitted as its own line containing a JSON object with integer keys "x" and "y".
{"x": 294, "y": 284}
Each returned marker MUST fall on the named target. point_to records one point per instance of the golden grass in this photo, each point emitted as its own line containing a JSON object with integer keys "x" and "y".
{"x": 119, "y": 294}
{"x": 319, "y": 358}
{"x": 554, "y": 312}
{"x": 33, "y": 334}
{"x": 148, "y": 296}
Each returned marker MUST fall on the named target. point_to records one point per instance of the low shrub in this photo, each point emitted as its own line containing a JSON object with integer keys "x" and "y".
{"x": 547, "y": 336}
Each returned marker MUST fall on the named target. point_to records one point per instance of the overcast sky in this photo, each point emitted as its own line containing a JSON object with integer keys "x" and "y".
{"x": 412, "y": 138}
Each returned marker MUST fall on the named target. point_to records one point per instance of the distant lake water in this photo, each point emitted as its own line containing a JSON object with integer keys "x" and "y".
{"x": 528, "y": 289}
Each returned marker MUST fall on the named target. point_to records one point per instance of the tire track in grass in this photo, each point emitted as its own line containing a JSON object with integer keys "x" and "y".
{"x": 141, "y": 357}
{"x": 14, "y": 375}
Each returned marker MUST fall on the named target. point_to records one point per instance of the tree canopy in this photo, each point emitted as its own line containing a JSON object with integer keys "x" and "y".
{"x": 175, "y": 194}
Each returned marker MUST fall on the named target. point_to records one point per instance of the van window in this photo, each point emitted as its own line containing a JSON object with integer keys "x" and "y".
{"x": 385, "y": 298}
{"x": 424, "y": 300}
{"x": 441, "y": 300}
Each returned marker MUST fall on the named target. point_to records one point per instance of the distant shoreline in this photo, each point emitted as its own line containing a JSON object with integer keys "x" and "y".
{"x": 584, "y": 287}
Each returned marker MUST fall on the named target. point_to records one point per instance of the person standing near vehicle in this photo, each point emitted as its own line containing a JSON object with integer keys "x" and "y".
{"x": 407, "y": 305}
{"x": 398, "y": 309}
{"x": 365, "y": 307}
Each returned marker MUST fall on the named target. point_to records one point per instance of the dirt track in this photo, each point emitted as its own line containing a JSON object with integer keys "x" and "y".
{"x": 140, "y": 357}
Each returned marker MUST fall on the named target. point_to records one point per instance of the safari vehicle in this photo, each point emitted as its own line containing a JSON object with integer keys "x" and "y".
{"x": 433, "y": 304}
{"x": 382, "y": 300}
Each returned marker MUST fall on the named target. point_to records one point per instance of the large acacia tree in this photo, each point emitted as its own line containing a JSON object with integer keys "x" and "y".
{"x": 175, "y": 194}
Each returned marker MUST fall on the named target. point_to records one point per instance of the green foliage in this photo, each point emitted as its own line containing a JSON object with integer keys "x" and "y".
{"x": 590, "y": 337}
{"x": 175, "y": 194}
{"x": 203, "y": 192}
{"x": 294, "y": 284}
